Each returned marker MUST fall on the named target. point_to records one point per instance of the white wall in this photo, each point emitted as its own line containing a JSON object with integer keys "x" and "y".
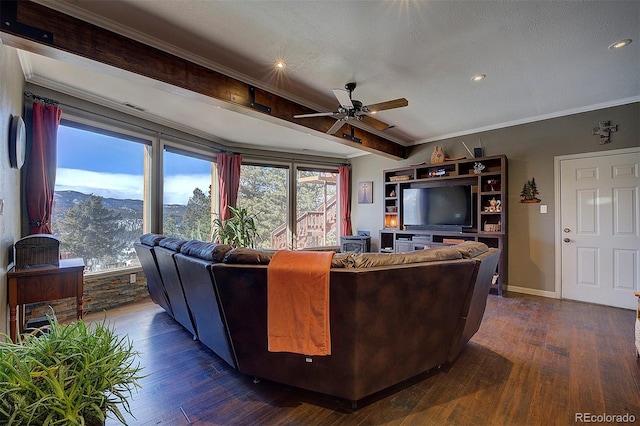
{"x": 11, "y": 101}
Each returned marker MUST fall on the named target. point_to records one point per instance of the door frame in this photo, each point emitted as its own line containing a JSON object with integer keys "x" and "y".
{"x": 558, "y": 204}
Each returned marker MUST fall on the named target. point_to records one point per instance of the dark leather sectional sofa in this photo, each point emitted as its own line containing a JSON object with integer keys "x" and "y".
{"x": 392, "y": 316}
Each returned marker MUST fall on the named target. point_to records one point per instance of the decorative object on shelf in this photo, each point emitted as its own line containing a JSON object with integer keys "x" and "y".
{"x": 492, "y": 227}
{"x": 529, "y": 192}
{"x": 468, "y": 150}
{"x": 493, "y": 204}
{"x": 604, "y": 130}
{"x": 498, "y": 206}
{"x": 392, "y": 193}
{"x": 478, "y": 152}
{"x": 478, "y": 168}
{"x": 391, "y": 221}
{"x": 437, "y": 173}
{"x": 365, "y": 192}
{"x": 392, "y": 209}
{"x": 437, "y": 156}
{"x": 399, "y": 178}
{"x": 494, "y": 184}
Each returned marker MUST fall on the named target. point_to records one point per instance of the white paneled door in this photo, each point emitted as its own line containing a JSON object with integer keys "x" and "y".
{"x": 600, "y": 235}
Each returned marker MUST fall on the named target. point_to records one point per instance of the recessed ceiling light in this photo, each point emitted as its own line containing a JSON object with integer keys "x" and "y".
{"x": 620, "y": 44}
{"x": 281, "y": 65}
{"x": 478, "y": 77}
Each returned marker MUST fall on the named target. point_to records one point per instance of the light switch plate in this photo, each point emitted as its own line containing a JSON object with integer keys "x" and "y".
{"x": 1, "y": 205}
{"x": 543, "y": 208}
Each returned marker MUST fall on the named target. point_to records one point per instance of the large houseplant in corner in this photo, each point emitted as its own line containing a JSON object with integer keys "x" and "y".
{"x": 239, "y": 230}
{"x": 73, "y": 374}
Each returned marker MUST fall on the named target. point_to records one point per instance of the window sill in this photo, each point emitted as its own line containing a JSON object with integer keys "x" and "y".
{"x": 114, "y": 272}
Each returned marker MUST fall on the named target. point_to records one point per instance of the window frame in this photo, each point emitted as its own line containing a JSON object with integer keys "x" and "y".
{"x": 200, "y": 153}
{"x": 307, "y": 166}
{"x": 124, "y": 133}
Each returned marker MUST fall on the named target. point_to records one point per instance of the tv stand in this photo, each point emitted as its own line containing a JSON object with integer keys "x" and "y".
{"x": 489, "y": 186}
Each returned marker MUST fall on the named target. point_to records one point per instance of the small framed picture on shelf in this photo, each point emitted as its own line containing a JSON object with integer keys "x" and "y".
{"x": 365, "y": 192}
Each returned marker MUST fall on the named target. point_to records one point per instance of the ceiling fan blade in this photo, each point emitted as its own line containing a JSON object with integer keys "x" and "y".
{"x": 315, "y": 114}
{"x": 336, "y": 126}
{"x": 396, "y": 103}
{"x": 343, "y": 98}
{"x": 372, "y": 122}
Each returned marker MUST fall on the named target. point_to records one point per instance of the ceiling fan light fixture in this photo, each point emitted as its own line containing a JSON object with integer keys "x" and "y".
{"x": 478, "y": 77}
{"x": 620, "y": 44}
{"x": 280, "y": 64}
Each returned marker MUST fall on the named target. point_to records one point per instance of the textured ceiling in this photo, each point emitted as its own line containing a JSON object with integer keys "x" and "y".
{"x": 542, "y": 59}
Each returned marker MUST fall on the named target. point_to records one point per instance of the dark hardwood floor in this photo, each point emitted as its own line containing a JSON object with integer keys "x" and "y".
{"x": 534, "y": 361}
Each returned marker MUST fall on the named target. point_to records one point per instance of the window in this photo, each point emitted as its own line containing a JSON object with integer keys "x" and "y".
{"x": 316, "y": 208}
{"x": 99, "y": 207}
{"x": 110, "y": 190}
{"x": 188, "y": 184}
{"x": 263, "y": 192}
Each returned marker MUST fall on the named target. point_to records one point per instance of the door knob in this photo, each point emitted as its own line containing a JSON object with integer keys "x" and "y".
{"x": 567, "y": 240}
{"x": 566, "y": 230}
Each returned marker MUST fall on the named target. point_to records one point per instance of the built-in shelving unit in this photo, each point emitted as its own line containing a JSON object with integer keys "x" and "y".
{"x": 488, "y": 178}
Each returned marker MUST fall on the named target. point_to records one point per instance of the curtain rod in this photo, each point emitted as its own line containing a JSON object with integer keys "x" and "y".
{"x": 154, "y": 131}
{"x": 42, "y": 99}
{"x": 226, "y": 150}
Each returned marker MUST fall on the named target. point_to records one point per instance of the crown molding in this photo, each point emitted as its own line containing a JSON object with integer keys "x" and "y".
{"x": 528, "y": 120}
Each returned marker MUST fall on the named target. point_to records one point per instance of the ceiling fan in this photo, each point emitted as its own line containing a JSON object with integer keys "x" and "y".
{"x": 351, "y": 109}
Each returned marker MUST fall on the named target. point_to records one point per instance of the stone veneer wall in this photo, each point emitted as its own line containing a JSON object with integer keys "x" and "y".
{"x": 101, "y": 291}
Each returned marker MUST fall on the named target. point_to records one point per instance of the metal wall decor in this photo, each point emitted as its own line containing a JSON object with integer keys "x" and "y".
{"x": 604, "y": 130}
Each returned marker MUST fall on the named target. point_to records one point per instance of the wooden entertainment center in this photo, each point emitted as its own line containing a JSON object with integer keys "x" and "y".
{"x": 487, "y": 177}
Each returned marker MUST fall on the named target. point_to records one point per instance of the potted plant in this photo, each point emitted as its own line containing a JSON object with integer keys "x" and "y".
{"x": 239, "y": 230}
{"x": 74, "y": 374}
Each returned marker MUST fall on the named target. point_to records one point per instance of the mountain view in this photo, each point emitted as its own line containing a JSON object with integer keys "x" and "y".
{"x": 95, "y": 234}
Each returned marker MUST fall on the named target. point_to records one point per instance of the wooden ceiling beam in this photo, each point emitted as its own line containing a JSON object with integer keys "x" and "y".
{"x": 36, "y": 28}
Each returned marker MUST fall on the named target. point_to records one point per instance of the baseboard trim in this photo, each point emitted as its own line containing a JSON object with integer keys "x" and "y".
{"x": 533, "y": 292}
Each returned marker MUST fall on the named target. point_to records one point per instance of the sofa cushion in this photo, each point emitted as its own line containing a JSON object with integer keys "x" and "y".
{"x": 206, "y": 251}
{"x": 471, "y": 249}
{"x": 369, "y": 260}
{"x": 151, "y": 239}
{"x": 172, "y": 243}
{"x": 248, "y": 256}
{"x": 342, "y": 260}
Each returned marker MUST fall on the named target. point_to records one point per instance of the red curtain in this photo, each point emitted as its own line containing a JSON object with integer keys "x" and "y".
{"x": 228, "y": 182}
{"x": 41, "y": 167}
{"x": 345, "y": 200}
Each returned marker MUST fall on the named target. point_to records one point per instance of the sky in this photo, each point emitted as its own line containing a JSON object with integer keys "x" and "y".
{"x": 110, "y": 167}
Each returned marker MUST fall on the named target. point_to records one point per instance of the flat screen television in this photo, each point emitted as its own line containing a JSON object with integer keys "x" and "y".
{"x": 448, "y": 207}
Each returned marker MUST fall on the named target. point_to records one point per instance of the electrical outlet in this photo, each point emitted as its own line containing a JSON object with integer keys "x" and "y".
{"x": 1, "y": 205}
{"x": 132, "y": 278}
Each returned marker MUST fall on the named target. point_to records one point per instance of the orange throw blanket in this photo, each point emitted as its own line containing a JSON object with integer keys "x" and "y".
{"x": 298, "y": 302}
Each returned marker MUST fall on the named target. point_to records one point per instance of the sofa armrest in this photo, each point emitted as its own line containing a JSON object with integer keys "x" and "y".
{"x": 475, "y": 303}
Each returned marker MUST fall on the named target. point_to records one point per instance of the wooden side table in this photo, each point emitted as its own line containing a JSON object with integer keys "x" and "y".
{"x": 42, "y": 284}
